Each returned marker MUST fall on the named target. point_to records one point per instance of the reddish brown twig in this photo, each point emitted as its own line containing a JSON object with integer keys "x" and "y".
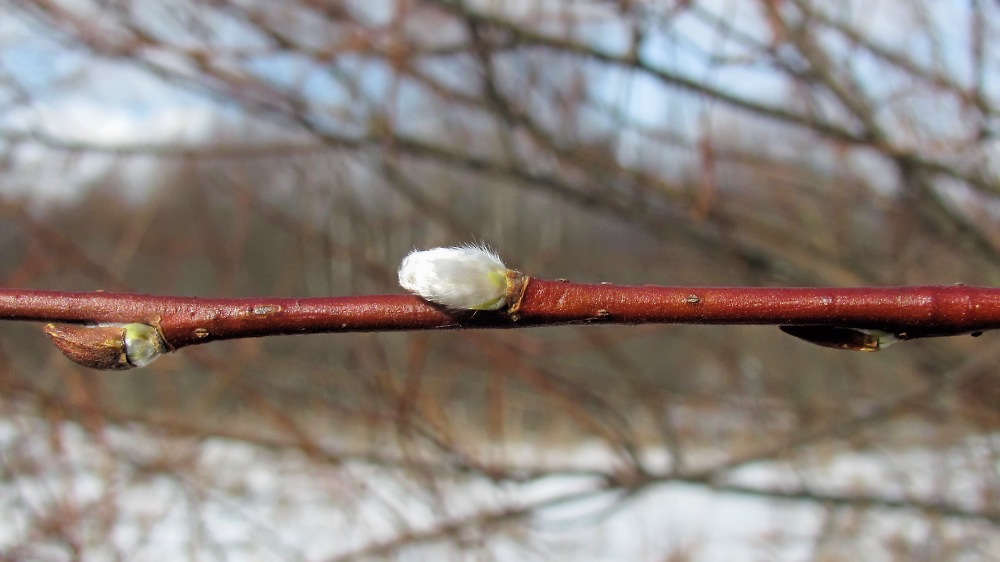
{"x": 852, "y": 318}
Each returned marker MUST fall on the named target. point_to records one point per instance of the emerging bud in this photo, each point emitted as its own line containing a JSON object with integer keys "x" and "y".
{"x": 108, "y": 347}
{"x": 143, "y": 344}
{"x": 462, "y": 277}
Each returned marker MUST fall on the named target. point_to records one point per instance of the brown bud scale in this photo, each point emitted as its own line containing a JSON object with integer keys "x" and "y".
{"x": 97, "y": 347}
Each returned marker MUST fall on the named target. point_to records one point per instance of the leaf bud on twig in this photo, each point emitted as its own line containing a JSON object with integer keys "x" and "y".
{"x": 108, "y": 347}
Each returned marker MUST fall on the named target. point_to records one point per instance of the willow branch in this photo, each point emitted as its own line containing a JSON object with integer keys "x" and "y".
{"x": 852, "y": 318}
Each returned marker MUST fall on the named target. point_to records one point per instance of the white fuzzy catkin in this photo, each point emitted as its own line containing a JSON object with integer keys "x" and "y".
{"x": 461, "y": 277}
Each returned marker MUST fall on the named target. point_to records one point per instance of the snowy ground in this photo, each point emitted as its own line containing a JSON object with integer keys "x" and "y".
{"x": 125, "y": 494}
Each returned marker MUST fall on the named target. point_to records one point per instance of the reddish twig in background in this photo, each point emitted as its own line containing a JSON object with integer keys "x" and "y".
{"x": 850, "y": 318}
